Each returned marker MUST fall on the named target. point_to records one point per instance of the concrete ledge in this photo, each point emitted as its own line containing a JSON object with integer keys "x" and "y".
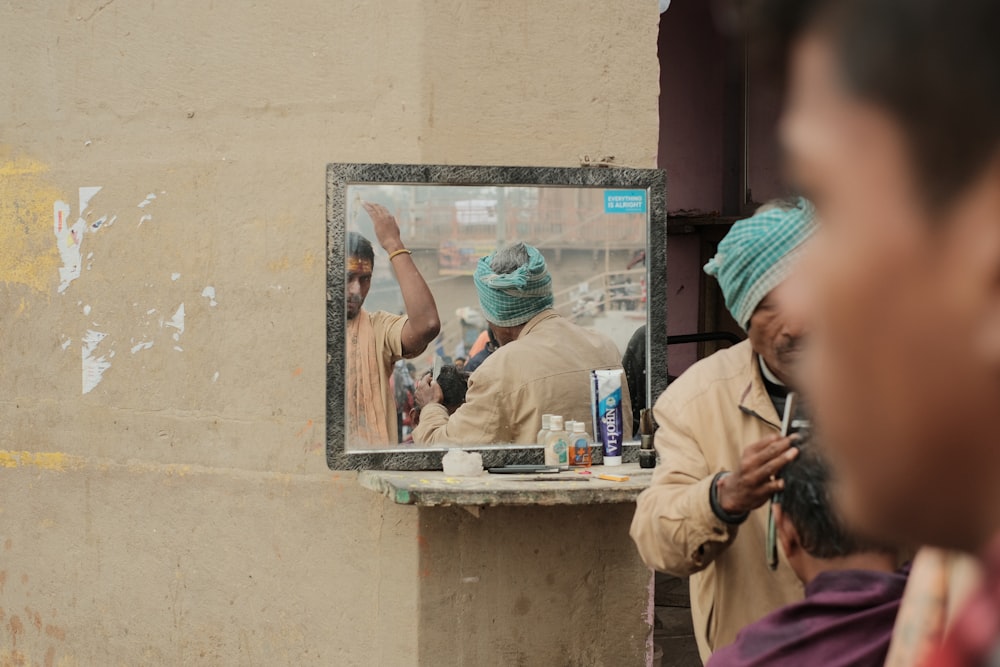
{"x": 433, "y": 488}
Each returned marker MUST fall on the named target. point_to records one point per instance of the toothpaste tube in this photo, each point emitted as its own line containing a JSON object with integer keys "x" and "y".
{"x": 606, "y": 398}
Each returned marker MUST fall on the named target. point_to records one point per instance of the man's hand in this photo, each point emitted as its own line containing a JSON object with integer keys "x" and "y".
{"x": 386, "y": 229}
{"x": 427, "y": 391}
{"x": 753, "y": 482}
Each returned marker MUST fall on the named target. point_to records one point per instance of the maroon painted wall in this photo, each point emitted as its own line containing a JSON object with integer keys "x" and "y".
{"x": 693, "y": 152}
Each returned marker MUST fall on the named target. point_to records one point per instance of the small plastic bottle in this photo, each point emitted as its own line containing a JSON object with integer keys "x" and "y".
{"x": 579, "y": 445}
{"x": 568, "y": 427}
{"x": 544, "y": 433}
{"x": 557, "y": 444}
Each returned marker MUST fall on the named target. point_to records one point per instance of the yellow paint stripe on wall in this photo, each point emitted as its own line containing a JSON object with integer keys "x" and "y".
{"x": 28, "y": 252}
{"x": 43, "y": 460}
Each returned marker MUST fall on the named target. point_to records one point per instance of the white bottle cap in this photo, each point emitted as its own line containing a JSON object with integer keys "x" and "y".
{"x": 546, "y": 420}
{"x": 556, "y": 423}
{"x": 579, "y": 427}
{"x": 569, "y": 425}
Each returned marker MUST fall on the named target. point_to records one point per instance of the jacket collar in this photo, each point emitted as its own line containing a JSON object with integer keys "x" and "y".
{"x": 755, "y": 401}
{"x": 534, "y": 321}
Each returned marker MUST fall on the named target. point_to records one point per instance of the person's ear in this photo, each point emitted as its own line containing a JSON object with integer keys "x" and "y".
{"x": 788, "y": 536}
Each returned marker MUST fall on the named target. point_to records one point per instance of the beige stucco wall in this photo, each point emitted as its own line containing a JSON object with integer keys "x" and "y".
{"x": 174, "y": 506}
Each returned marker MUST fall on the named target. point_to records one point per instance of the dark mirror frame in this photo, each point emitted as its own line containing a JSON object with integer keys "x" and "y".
{"x": 340, "y": 175}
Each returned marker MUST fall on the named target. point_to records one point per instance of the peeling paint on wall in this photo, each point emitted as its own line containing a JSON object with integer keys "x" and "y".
{"x": 69, "y": 237}
{"x": 146, "y": 217}
{"x": 93, "y": 367}
{"x": 177, "y": 322}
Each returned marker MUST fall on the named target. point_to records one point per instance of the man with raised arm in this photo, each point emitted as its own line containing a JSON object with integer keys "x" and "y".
{"x": 376, "y": 340}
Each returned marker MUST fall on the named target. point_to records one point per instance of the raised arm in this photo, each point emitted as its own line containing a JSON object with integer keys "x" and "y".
{"x": 423, "y": 323}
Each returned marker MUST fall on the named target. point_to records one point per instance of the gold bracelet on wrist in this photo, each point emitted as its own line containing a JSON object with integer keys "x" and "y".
{"x": 399, "y": 252}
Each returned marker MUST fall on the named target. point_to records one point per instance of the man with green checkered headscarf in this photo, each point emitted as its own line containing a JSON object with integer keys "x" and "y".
{"x": 542, "y": 364}
{"x": 719, "y": 443}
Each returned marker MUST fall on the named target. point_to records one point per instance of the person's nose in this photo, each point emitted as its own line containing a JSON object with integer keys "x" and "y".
{"x": 797, "y": 296}
{"x": 353, "y": 287}
{"x": 795, "y": 324}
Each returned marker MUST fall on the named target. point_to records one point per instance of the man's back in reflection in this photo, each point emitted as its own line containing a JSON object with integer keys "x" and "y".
{"x": 541, "y": 365}
{"x": 377, "y": 340}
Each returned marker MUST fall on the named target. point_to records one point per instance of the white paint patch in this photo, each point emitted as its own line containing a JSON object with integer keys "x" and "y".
{"x": 209, "y": 293}
{"x": 179, "y": 349}
{"x": 69, "y": 251}
{"x": 175, "y": 276}
{"x": 69, "y": 238}
{"x": 215, "y": 377}
{"x": 144, "y": 345}
{"x": 177, "y": 321}
{"x": 145, "y": 202}
{"x": 151, "y": 311}
{"x": 97, "y": 224}
{"x": 86, "y": 310}
{"x": 93, "y": 367}
{"x": 145, "y": 218}
{"x": 66, "y": 343}
{"x": 86, "y": 194}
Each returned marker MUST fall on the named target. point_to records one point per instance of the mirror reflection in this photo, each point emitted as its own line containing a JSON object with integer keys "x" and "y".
{"x": 471, "y": 311}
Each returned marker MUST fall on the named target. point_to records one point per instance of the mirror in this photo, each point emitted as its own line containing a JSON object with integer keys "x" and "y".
{"x": 601, "y": 232}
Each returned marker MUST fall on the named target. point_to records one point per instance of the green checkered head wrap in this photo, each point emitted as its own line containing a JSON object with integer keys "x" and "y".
{"x": 758, "y": 253}
{"x": 511, "y": 299}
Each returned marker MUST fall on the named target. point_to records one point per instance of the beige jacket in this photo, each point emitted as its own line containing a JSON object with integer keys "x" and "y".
{"x": 706, "y": 417}
{"x": 546, "y": 370}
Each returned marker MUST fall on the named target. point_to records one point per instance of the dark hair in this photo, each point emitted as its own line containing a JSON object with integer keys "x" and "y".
{"x": 933, "y": 65}
{"x": 454, "y": 383}
{"x": 805, "y": 500}
{"x": 360, "y": 247}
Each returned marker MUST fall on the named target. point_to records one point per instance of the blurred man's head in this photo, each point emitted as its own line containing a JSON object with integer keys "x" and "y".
{"x": 892, "y": 127}
{"x": 808, "y": 528}
{"x": 454, "y": 383}
{"x": 360, "y": 264}
{"x": 752, "y": 265}
{"x": 513, "y": 285}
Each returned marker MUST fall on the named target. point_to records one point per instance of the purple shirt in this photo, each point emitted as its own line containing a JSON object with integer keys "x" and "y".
{"x": 845, "y": 619}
